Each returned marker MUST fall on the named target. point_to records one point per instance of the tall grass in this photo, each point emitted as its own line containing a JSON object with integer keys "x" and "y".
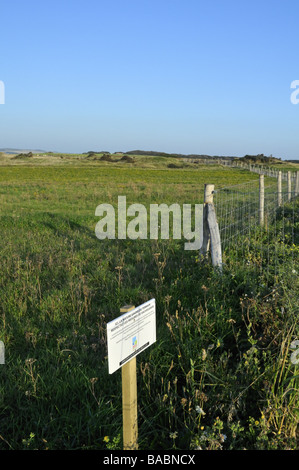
{"x": 219, "y": 375}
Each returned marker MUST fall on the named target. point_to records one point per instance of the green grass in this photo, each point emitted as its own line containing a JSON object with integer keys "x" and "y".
{"x": 223, "y": 342}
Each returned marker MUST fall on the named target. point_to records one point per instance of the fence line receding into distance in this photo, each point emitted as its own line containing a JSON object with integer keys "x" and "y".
{"x": 255, "y": 221}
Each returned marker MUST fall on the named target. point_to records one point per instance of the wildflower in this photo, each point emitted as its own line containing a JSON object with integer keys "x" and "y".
{"x": 223, "y": 437}
{"x": 30, "y": 361}
{"x": 106, "y": 439}
{"x": 173, "y": 435}
{"x": 199, "y": 410}
{"x": 294, "y": 344}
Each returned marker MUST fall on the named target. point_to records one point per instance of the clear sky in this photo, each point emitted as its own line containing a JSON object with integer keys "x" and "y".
{"x": 186, "y": 76}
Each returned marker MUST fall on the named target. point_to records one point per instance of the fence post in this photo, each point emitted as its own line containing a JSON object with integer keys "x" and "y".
{"x": 216, "y": 253}
{"x": 208, "y": 198}
{"x": 279, "y": 190}
{"x": 289, "y": 186}
{"x": 211, "y": 235}
{"x": 2, "y": 353}
{"x": 262, "y": 201}
{"x": 129, "y": 399}
{"x": 297, "y": 184}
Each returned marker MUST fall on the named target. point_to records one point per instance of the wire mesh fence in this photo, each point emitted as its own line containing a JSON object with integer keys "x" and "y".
{"x": 259, "y": 234}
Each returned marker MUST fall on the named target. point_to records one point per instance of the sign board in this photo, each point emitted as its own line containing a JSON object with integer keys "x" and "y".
{"x": 130, "y": 334}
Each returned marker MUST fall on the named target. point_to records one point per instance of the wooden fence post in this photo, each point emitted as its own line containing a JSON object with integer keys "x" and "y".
{"x": 208, "y": 198}
{"x": 129, "y": 399}
{"x": 289, "y": 186}
{"x": 262, "y": 201}
{"x": 211, "y": 234}
{"x": 297, "y": 184}
{"x": 209, "y": 190}
{"x": 2, "y": 353}
{"x": 216, "y": 252}
{"x": 279, "y": 190}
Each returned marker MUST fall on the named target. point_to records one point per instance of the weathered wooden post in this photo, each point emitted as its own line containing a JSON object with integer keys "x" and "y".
{"x": 216, "y": 252}
{"x": 279, "y": 190}
{"x": 208, "y": 199}
{"x": 297, "y": 184}
{"x": 211, "y": 234}
{"x": 2, "y": 353}
{"x": 129, "y": 399}
{"x": 289, "y": 186}
{"x": 261, "y": 201}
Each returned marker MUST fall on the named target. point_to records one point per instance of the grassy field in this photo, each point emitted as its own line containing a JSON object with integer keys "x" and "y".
{"x": 219, "y": 375}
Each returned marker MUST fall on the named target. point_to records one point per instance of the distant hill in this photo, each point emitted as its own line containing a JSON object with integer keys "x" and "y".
{"x": 174, "y": 155}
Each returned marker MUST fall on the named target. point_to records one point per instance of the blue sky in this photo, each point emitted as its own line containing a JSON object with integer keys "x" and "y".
{"x": 186, "y": 76}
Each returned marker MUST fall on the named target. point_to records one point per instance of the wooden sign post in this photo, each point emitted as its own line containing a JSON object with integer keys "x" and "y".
{"x": 129, "y": 399}
{"x": 127, "y": 336}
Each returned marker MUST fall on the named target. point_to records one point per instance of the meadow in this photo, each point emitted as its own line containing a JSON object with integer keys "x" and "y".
{"x": 219, "y": 375}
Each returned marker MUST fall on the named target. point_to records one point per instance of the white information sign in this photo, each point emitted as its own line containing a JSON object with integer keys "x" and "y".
{"x": 130, "y": 334}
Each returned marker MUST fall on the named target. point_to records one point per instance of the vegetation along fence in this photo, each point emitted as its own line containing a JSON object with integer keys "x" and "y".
{"x": 249, "y": 222}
